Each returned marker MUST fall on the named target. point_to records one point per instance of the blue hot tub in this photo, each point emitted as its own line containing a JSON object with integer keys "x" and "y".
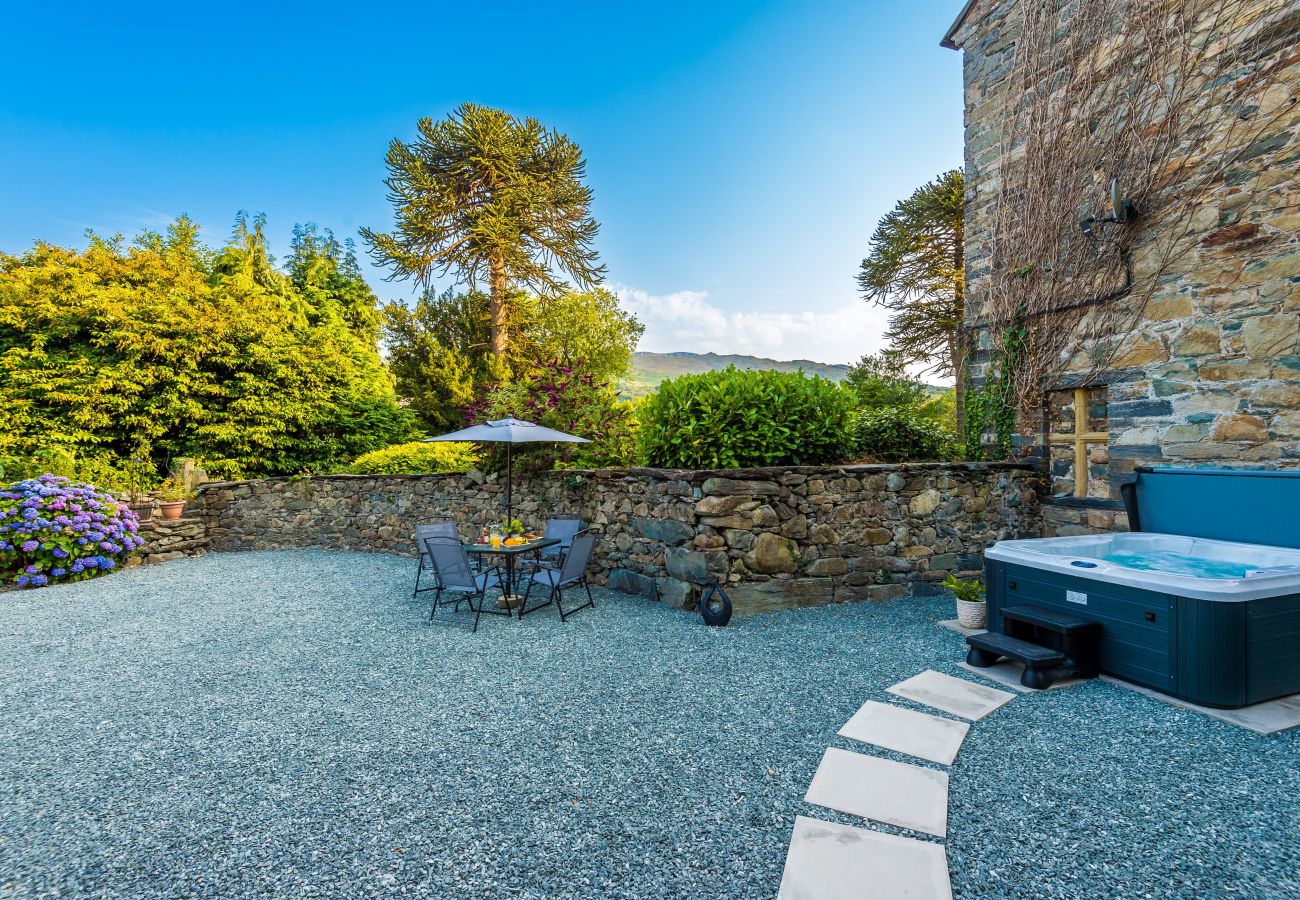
{"x": 1201, "y": 600}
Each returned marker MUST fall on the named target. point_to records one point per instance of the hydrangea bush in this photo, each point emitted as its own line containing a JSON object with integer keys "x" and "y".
{"x": 55, "y": 530}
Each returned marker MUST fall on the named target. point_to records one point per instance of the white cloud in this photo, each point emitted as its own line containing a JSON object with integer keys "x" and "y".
{"x": 686, "y": 320}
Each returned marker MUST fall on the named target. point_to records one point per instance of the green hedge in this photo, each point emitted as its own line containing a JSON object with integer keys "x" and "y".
{"x": 417, "y": 457}
{"x": 898, "y": 434}
{"x": 734, "y": 419}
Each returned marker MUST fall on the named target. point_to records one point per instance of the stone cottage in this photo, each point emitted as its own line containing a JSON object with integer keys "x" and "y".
{"x": 1187, "y": 352}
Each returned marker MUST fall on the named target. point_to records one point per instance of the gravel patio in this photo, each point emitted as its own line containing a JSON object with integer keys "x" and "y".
{"x": 287, "y": 725}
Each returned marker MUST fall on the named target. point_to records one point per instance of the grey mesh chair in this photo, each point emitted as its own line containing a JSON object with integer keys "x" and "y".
{"x": 573, "y": 573}
{"x": 436, "y": 529}
{"x": 455, "y": 576}
{"x": 563, "y": 527}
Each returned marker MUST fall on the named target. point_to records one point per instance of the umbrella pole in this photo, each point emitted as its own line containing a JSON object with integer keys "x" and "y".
{"x": 510, "y": 475}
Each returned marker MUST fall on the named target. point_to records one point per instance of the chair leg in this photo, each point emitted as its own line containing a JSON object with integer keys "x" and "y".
{"x": 482, "y": 595}
{"x": 591, "y": 602}
{"x": 419, "y": 570}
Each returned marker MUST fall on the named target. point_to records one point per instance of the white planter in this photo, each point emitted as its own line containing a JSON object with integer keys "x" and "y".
{"x": 972, "y": 614}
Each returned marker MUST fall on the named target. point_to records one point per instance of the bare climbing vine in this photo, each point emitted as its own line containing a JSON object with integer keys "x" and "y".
{"x": 1168, "y": 96}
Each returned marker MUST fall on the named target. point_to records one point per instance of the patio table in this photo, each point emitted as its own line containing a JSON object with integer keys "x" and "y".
{"x": 509, "y": 555}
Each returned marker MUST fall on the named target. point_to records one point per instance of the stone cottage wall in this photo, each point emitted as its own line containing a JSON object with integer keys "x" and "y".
{"x": 1211, "y": 376}
{"x": 780, "y": 537}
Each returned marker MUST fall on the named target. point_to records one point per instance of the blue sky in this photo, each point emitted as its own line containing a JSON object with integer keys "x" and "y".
{"x": 740, "y": 153}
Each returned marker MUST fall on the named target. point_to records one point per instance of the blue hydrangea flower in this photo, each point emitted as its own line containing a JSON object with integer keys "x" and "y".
{"x": 31, "y": 546}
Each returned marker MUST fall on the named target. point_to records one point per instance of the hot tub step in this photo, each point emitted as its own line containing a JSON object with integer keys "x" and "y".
{"x": 1043, "y": 665}
{"x": 1000, "y": 645}
{"x": 1055, "y": 620}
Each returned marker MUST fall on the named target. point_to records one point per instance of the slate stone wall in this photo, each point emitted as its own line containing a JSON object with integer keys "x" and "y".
{"x": 1212, "y": 374}
{"x": 779, "y": 537}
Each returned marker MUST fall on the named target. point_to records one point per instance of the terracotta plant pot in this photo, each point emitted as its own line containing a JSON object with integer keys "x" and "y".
{"x": 972, "y": 613}
{"x": 172, "y": 509}
{"x": 143, "y": 511}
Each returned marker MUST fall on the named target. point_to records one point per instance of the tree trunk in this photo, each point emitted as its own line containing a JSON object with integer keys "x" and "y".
{"x": 497, "y": 307}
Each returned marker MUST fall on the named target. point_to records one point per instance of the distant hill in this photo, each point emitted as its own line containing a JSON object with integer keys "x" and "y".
{"x": 649, "y": 369}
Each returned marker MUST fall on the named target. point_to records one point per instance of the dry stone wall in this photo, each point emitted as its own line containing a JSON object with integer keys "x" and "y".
{"x": 779, "y": 538}
{"x": 167, "y": 539}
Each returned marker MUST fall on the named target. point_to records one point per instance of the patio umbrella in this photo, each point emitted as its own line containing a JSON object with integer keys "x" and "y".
{"x": 509, "y": 432}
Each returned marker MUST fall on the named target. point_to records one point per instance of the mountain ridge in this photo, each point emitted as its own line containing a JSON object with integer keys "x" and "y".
{"x": 649, "y": 370}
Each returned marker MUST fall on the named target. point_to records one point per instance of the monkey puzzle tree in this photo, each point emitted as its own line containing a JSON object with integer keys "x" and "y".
{"x": 493, "y": 198}
{"x": 914, "y": 268}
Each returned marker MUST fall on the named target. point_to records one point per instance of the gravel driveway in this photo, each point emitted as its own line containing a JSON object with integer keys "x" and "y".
{"x": 286, "y": 725}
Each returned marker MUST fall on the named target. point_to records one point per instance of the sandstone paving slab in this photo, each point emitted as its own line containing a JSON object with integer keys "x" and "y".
{"x": 906, "y": 731}
{"x": 951, "y": 695}
{"x": 1269, "y": 717}
{"x": 829, "y": 861}
{"x": 955, "y": 625}
{"x": 883, "y": 790}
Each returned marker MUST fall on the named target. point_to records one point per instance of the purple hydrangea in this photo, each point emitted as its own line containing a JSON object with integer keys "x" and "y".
{"x": 63, "y": 531}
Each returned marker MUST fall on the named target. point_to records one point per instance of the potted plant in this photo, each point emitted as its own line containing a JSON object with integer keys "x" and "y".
{"x": 972, "y": 612}
{"x": 172, "y": 496}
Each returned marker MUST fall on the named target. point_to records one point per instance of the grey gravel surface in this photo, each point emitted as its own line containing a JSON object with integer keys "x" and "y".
{"x": 286, "y": 725}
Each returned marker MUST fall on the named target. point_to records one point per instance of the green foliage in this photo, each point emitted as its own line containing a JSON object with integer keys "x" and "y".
{"x": 166, "y": 348}
{"x": 898, "y": 434}
{"x": 439, "y": 350}
{"x": 991, "y": 410}
{"x": 417, "y": 457}
{"x": 129, "y": 477}
{"x": 882, "y": 380}
{"x": 970, "y": 591}
{"x": 493, "y": 198}
{"x": 173, "y": 490}
{"x": 914, "y": 268}
{"x": 584, "y": 330}
{"x": 731, "y": 418}
{"x": 438, "y": 354}
{"x": 569, "y": 400}
{"x": 940, "y": 408}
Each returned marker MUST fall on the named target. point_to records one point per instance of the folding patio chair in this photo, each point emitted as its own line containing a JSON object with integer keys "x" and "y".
{"x": 562, "y": 526}
{"x": 573, "y": 573}
{"x": 451, "y": 565}
{"x": 439, "y": 530}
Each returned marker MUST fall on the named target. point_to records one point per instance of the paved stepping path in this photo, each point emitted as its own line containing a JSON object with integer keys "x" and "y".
{"x": 839, "y": 862}
{"x": 907, "y": 731}
{"x": 883, "y": 790}
{"x": 952, "y": 695}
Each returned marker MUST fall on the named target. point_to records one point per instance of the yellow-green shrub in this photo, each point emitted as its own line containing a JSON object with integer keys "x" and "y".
{"x": 417, "y": 457}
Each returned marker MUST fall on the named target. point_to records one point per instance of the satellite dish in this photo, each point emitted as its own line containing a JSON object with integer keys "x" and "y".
{"x": 1121, "y": 210}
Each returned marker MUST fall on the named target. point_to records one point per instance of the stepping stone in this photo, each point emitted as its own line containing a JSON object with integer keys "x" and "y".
{"x": 828, "y": 861}
{"x": 906, "y": 731}
{"x": 952, "y": 695}
{"x": 883, "y": 790}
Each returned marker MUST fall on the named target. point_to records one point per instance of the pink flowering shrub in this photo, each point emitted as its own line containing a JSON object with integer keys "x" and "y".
{"x": 54, "y": 530}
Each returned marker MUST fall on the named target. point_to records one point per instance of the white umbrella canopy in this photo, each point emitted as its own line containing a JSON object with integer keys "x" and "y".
{"x": 508, "y": 432}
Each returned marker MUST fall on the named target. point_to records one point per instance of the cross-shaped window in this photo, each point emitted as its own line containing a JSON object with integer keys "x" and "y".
{"x": 1077, "y": 431}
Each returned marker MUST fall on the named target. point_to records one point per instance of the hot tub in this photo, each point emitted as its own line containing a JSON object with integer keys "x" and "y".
{"x": 1210, "y": 620}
